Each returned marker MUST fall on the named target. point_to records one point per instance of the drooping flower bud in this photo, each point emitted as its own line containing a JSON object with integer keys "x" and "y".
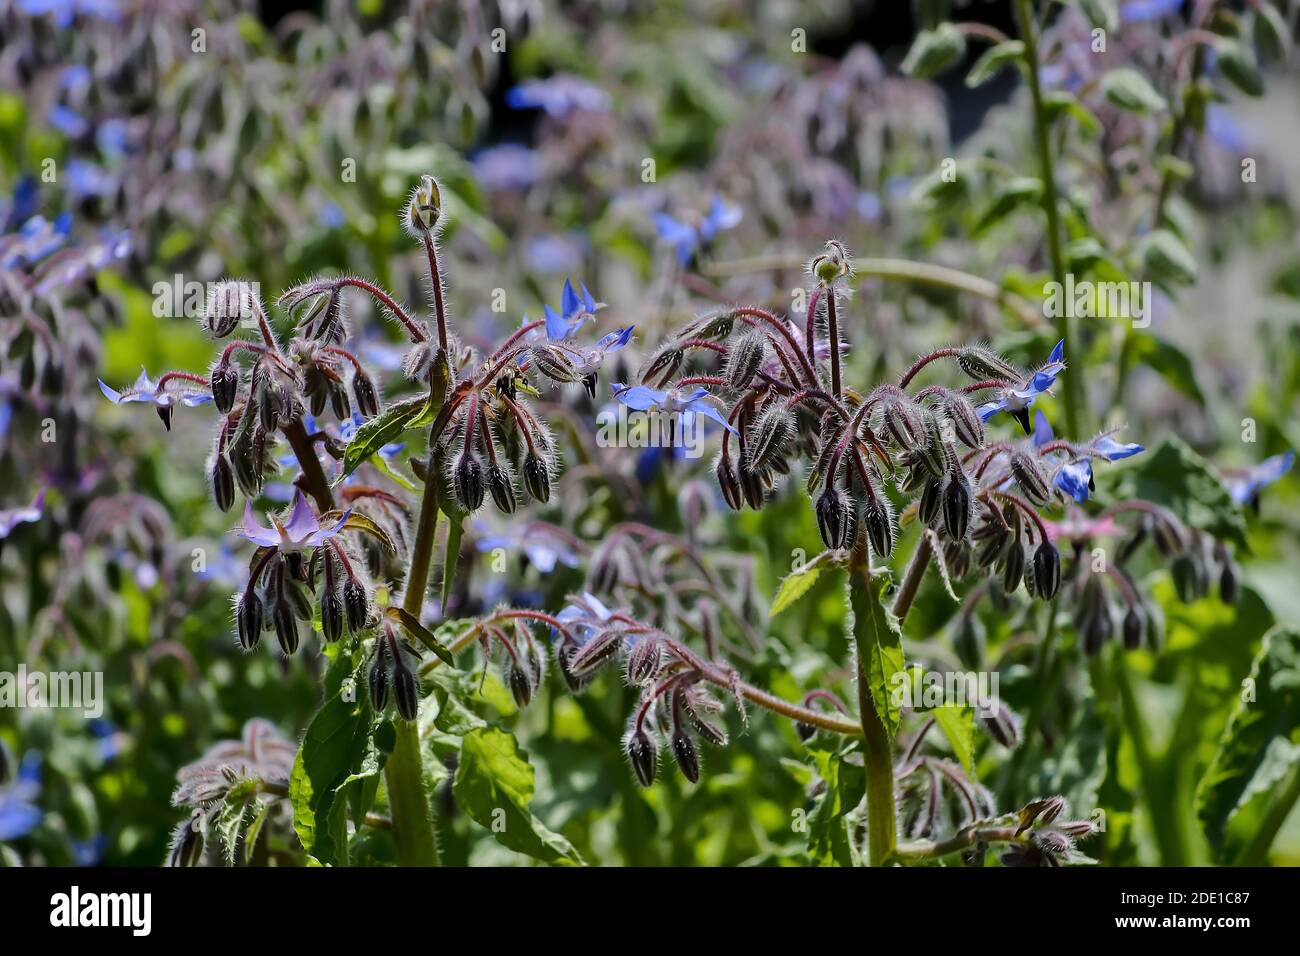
{"x": 521, "y": 686}
{"x": 904, "y": 420}
{"x": 286, "y": 624}
{"x": 744, "y": 359}
{"x": 502, "y": 488}
{"x": 956, "y": 504}
{"x": 226, "y": 304}
{"x": 225, "y": 387}
{"x": 644, "y": 661}
{"x": 752, "y": 487}
{"x": 331, "y": 614}
{"x": 364, "y": 395}
{"x": 1000, "y": 723}
{"x": 248, "y": 619}
{"x": 537, "y": 478}
{"x": 467, "y": 481}
{"x": 406, "y": 690}
{"x": 879, "y": 520}
{"x": 1134, "y": 627}
{"x": 1047, "y": 571}
{"x": 554, "y": 364}
{"x": 931, "y": 500}
{"x": 832, "y": 509}
{"x": 643, "y": 753}
{"x": 187, "y": 844}
{"x": 1030, "y": 479}
{"x": 686, "y": 755}
{"x": 1013, "y": 565}
{"x": 729, "y": 484}
{"x": 966, "y": 423}
{"x": 980, "y": 363}
{"x": 563, "y": 654}
{"x": 221, "y": 478}
{"x": 769, "y": 437}
{"x": 596, "y": 653}
{"x": 378, "y": 677}
{"x": 355, "y": 604}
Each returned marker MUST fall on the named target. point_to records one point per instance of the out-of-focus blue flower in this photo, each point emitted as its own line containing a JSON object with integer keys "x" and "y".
{"x": 65, "y": 11}
{"x": 110, "y": 739}
{"x": 1107, "y": 447}
{"x": 165, "y": 395}
{"x": 558, "y": 95}
{"x": 544, "y": 546}
{"x": 89, "y": 852}
{"x": 508, "y": 166}
{"x": 643, "y": 398}
{"x": 687, "y": 238}
{"x": 13, "y": 517}
{"x": 869, "y": 206}
{"x": 69, "y": 122}
{"x": 553, "y": 254}
{"x": 75, "y": 76}
{"x": 331, "y": 216}
{"x": 302, "y": 530}
{"x": 22, "y": 204}
{"x": 1143, "y": 11}
{"x": 86, "y": 179}
{"x": 19, "y": 814}
{"x": 1224, "y": 129}
{"x": 36, "y": 239}
{"x": 1016, "y": 401}
{"x": 225, "y": 567}
{"x": 81, "y": 262}
{"x": 1244, "y": 484}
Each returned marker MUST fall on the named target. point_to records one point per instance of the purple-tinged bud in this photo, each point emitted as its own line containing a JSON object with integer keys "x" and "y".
{"x": 710, "y": 731}
{"x": 355, "y": 604}
{"x": 1134, "y": 627}
{"x": 331, "y": 614}
{"x": 286, "y": 624}
{"x": 364, "y": 395}
{"x": 406, "y": 690}
{"x": 752, "y": 487}
{"x": 931, "y": 500}
{"x": 1041, "y": 811}
{"x": 663, "y": 366}
{"x": 956, "y": 504}
{"x": 1013, "y": 565}
{"x": 502, "y": 488}
{"x": 769, "y": 437}
{"x": 1000, "y": 723}
{"x": 904, "y": 420}
{"x": 563, "y": 654}
{"x": 187, "y": 844}
{"x": 225, "y": 387}
{"x": 1170, "y": 536}
{"x": 644, "y": 661}
{"x": 686, "y": 755}
{"x": 467, "y": 481}
{"x": 248, "y": 619}
{"x": 957, "y": 558}
{"x": 744, "y": 359}
{"x": 221, "y": 478}
{"x": 966, "y": 423}
{"x": 554, "y": 364}
{"x": 879, "y": 520}
{"x": 1076, "y": 829}
{"x": 1052, "y": 841}
{"x": 729, "y": 484}
{"x": 980, "y": 363}
{"x": 378, "y": 677}
{"x": 833, "y": 510}
{"x": 643, "y": 753}
{"x": 537, "y": 478}
{"x": 521, "y": 686}
{"x": 1047, "y": 571}
{"x": 1030, "y": 479}
{"x": 596, "y": 653}
{"x": 339, "y": 401}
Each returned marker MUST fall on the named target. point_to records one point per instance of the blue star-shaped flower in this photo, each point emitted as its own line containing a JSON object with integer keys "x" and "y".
{"x": 303, "y": 529}
{"x": 167, "y": 395}
{"x": 1244, "y": 484}
{"x": 687, "y": 239}
{"x": 643, "y": 398}
{"x": 1016, "y": 401}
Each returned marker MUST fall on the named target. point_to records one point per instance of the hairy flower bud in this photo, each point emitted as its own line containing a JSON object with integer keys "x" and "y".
{"x": 406, "y": 690}
{"x": 744, "y": 359}
{"x": 1030, "y": 479}
{"x": 956, "y": 504}
{"x": 425, "y": 207}
{"x": 752, "y": 487}
{"x": 1047, "y": 571}
{"x": 1000, "y": 723}
{"x": 644, "y": 661}
{"x": 221, "y": 478}
{"x": 554, "y": 364}
{"x": 931, "y": 500}
{"x": 980, "y": 363}
{"x": 596, "y": 653}
{"x": 1013, "y": 565}
{"x": 966, "y": 423}
{"x": 904, "y": 420}
{"x": 225, "y": 387}
{"x": 879, "y": 520}
{"x": 1134, "y": 627}
{"x": 643, "y": 753}
{"x": 187, "y": 844}
{"x": 364, "y": 395}
{"x": 286, "y": 624}
{"x": 502, "y": 488}
{"x": 248, "y": 619}
{"x": 331, "y": 614}
{"x": 467, "y": 481}
{"x": 729, "y": 484}
{"x": 355, "y": 604}
{"x": 663, "y": 366}
{"x": 833, "y": 522}
{"x": 521, "y": 686}
{"x": 563, "y": 655}
{"x": 769, "y": 437}
{"x": 686, "y": 755}
{"x": 226, "y": 304}
{"x": 537, "y": 478}
{"x": 378, "y": 677}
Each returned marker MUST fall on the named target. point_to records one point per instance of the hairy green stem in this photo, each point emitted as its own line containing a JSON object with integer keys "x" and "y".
{"x": 1074, "y": 401}
{"x": 877, "y": 749}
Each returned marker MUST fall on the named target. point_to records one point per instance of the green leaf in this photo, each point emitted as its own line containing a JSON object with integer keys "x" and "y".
{"x": 1270, "y": 32}
{"x": 494, "y": 784}
{"x": 1063, "y": 101}
{"x": 1164, "y": 256}
{"x": 383, "y": 429}
{"x": 797, "y": 583}
{"x": 1237, "y": 63}
{"x": 958, "y": 725}
{"x": 1012, "y": 195}
{"x": 1168, "y": 360}
{"x": 830, "y": 842}
{"x": 934, "y": 51}
{"x": 993, "y": 60}
{"x": 1130, "y": 90}
{"x": 879, "y": 642}
{"x": 333, "y": 752}
{"x": 1179, "y": 479}
{"x": 1101, "y": 13}
{"x": 1260, "y": 746}
{"x": 422, "y": 634}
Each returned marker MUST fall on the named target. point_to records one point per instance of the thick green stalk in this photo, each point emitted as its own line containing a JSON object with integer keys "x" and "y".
{"x": 1074, "y": 401}
{"x": 878, "y": 754}
{"x": 404, "y": 771}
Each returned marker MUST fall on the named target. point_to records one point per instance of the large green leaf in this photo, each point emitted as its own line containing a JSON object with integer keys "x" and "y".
{"x": 958, "y": 725}
{"x": 383, "y": 429}
{"x": 1175, "y": 476}
{"x": 830, "y": 840}
{"x": 332, "y": 757}
{"x": 1260, "y": 747}
{"x": 494, "y": 784}
{"x": 879, "y": 642}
